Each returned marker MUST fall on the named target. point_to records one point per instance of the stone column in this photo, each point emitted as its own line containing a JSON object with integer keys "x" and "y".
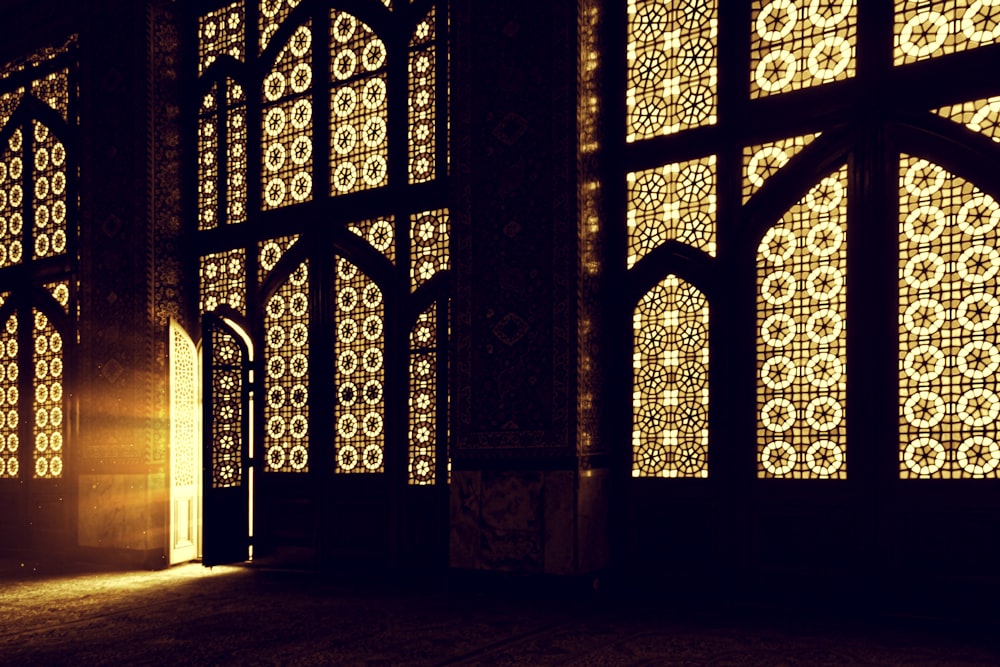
{"x": 526, "y": 496}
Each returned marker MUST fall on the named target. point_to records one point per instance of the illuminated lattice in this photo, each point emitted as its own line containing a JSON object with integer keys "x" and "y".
{"x": 236, "y": 154}
{"x": 9, "y": 399}
{"x": 286, "y": 141}
{"x": 801, "y": 345}
{"x": 8, "y": 103}
{"x": 423, "y": 399}
{"x": 272, "y": 14}
{"x": 286, "y": 375}
{"x": 429, "y": 243}
{"x": 360, "y": 372}
{"x": 184, "y": 433}
{"x": 224, "y": 281}
{"x": 48, "y": 400}
{"x": 931, "y": 28}
{"x": 221, "y": 32}
{"x": 981, "y": 116}
{"x": 670, "y": 382}
{"x": 12, "y": 202}
{"x": 226, "y": 429}
{"x": 671, "y": 53}
{"x": 379, "y": 233}
{"x": 359, "y": 143}
{"x": 53, "y": 90}
{"x": 423, "y": 71}
{"x": 762, "y": 162}
{"x": 675, "y": 202}
{"x": 948, "y": 315}
{"x": 50, "y": 193}
{"x": 208, "y": 162}
{"x": 60, "y": 293}
{"x": 271, "y": 253}
{"x": 798, "y": 44}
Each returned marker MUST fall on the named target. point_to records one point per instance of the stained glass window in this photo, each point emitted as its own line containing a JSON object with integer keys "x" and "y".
{"x": 358, "y": 104}
{"x": 763, "y": 161}
{"x": 801, "y": 344}
{"x": 670, "y": 382}
{"x": 798, "y": 44}
{"x": 671, "y": 52}
{"x": 981, "y": 116}
{"x": 329, "y": 276}
{"x": 675, "y": 202}
{"x": 286, "y": 138}
{"x": 423, "y": 140}
{"x": 286, "y": 375}
{"x": 423, "y": 399}
{"x": 360, "y": 371}
{"x": 931, "y": 28}
{"x": 948, "y": 312}
{"x": 37, "y": 238}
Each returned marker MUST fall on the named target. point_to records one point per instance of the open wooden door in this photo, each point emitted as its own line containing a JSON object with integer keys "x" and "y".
{"x": 185, "y": 446}
{"x": 226, "y": 464}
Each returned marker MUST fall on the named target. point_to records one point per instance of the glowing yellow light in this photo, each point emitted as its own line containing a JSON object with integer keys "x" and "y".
{"x": 949, "y": 262}
{"x": 801, "y": 308}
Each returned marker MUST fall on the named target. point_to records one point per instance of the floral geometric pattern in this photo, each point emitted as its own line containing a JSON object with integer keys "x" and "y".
{"x": 949, "y": 240}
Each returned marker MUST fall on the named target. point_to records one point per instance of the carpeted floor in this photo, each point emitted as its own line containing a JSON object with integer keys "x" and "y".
{"x": 190, "y": 615}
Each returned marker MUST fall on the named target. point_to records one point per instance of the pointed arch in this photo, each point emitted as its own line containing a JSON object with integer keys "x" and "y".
{"x": 801, "y": 339}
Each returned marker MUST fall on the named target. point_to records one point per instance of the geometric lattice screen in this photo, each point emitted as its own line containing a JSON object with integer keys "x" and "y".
{"x": 295, "y": 115}
{"x": 38, "y": 219}
{"x": 801, "y": 44}
{"x": 801, "y": 340}
{"x": 670, "y": 382}
{"x": 949, "y": 246}
{"x": 933, "y": 28}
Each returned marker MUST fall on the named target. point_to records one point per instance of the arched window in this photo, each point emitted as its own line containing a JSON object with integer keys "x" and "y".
{"x": 822, "y": 176}
{"x": 38, "y": 269}
{"x": 324, "y": 233}
{"x": 675, "y": 87}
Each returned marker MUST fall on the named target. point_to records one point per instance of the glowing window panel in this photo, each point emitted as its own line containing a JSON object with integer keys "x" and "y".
{"x": 185, "y": 435}
{"x": 270, "y": 254}
{"x": 49, "y": 180}
{"x": 286, "y": 128}
{"x": 286, "y": 375}
{"x": 670, "y": 382}
{"x": 270, "y": 17}
{"x": 801, "y": 43}
{"x": 53, "y": 90}
{"x": 380, "y": 234}
{"x": 8, "y": 103}
{"x": 801, "y": 342}
{"x": 422, "y": 460}
{"x": 221, "y": 33}
{"x": 763, "y": 161}
{"x": 675, "y": 202}
{"x": 359, "y": 372}
{"x": 10, "y": 401}
{"x": 208, "y": 161}
{"x": 358, "y": 107}
{"x": 60, "y": 293}
{"x": 981, "y": 116}
{"x": 227, "y": 410}
{"x": 236, "y": 154}
{"x": 429, "y": 243}
{"x": 48, "y": 399}
{"x": 931, "y": 28}
{"x": 671, "y": 55}
{"x": 422, "y": 70}
{"x": 948, "y": 314}
{"x": 223, "y": 281}
{"x": 12, "y": 201}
